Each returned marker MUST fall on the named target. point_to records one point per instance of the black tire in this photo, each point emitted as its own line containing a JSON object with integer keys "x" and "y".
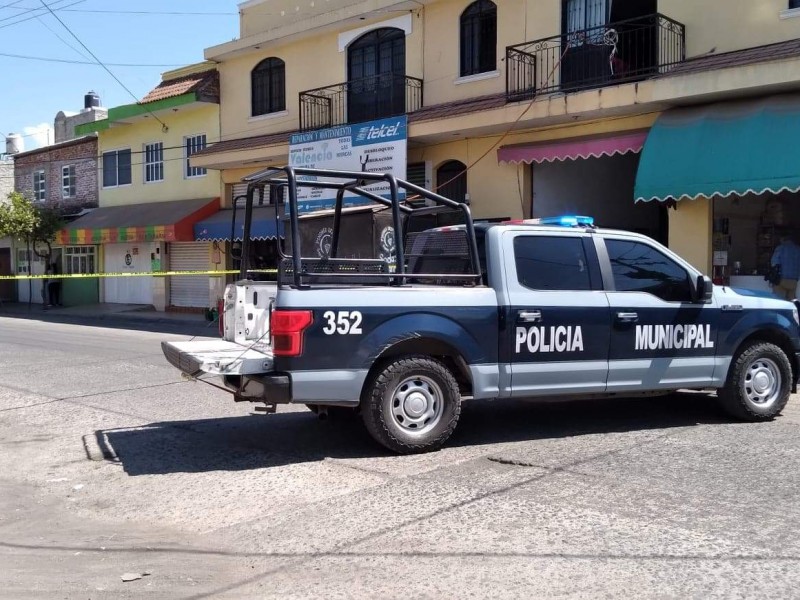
{"x": 753, "y": 374}
{"x": 427, "y": 416}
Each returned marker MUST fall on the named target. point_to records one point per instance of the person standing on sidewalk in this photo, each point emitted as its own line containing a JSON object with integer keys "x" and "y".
{"x": 54, "y": 286}
{"x": 787, "y": 257}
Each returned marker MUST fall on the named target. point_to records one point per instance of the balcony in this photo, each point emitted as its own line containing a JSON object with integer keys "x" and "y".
{"x": 619, "y": 52}
{"x": 375, "y": 97}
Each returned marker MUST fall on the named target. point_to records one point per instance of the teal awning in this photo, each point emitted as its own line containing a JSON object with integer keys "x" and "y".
{"x": 722, "y": 149}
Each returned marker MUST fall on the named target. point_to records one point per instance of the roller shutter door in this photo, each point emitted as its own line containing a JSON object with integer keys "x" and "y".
{"x": 189, "y": 291}
{"x": 237, "y": 190}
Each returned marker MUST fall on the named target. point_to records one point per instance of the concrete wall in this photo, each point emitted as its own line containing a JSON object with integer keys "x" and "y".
{"x": 6, "y": 177}
{"x": 725, "y": 25}
{"x": 690, "y": 232}
{"x": 189, "y": 120}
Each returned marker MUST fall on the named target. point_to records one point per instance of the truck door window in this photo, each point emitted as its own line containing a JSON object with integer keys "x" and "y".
{"x": 551, "y": 263}
{"x": 638, "y": 267}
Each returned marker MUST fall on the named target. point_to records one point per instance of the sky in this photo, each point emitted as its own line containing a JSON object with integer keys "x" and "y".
{"x": 116, "y": 32}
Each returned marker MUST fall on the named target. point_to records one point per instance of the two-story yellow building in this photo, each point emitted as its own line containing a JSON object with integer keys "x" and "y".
{"x": 151, "y": 199}
{"x": 669, "y": 117}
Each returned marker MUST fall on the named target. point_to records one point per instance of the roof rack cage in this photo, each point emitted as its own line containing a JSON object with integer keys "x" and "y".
{"x": 301, "y": 272}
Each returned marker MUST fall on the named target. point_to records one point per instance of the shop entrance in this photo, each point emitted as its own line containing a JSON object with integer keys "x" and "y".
{"x": 601, "y": 188}
{"x": 746, "y": 232}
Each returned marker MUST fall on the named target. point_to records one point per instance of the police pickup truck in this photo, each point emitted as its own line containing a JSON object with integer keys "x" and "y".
{"x": 519, "y": 309}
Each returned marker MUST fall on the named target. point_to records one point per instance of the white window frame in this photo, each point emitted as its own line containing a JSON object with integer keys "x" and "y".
{"x": 69, "y": 185}
{"x": 153, "y": 170}
{"x": 102, "y": 168}
{"x": 79, "y": 259}
{"x": 39, "y": 185}
{"x": 191, "y": 146}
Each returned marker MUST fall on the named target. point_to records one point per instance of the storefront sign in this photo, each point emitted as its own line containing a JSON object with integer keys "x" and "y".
{"x": 374, "y": 146}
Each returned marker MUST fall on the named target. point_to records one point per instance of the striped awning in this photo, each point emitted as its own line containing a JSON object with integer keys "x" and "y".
{"x": 218, "y": 228}
{"x": 573, "y": 149}
{"x": 732, "y": 148}
{"x": 147, "y": 222}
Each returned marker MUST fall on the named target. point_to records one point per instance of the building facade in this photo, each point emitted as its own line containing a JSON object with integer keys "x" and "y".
{"x": 150, "y": 197}
{"x": 526, "y": 107}
{"x": 62, "y": 177}
{"x": 7, "y": 267}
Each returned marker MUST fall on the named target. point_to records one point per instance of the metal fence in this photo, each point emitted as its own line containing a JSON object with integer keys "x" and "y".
{"x": 618, "y": 52}
{"x": 375, "y": 97}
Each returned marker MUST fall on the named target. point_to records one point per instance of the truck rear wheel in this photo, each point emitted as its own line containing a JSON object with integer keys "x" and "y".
{"x": 411, "y": 405}
{"x": 759, "y": 383}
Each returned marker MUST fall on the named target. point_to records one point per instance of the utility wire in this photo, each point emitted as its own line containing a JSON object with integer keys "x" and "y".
{"x": 61, "y": 39}
{"x": 81, "y": 62}
{"x": 99, "y": 62}
{"x": 38, "y": 12}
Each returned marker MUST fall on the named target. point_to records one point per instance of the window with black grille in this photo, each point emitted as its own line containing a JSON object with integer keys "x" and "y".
{"x": 269, "y": 86}
{"x": 479, "y": 38}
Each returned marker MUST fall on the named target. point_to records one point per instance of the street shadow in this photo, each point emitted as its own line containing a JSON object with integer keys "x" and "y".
{"x": 258, "y": 442}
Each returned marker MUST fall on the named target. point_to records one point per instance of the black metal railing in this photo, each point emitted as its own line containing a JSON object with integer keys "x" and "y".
{"x": 618, "y": 52}
{"x": 375, "y": 97}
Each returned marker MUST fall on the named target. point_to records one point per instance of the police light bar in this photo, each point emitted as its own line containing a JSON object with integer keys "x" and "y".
{"x": 568, "y": 221}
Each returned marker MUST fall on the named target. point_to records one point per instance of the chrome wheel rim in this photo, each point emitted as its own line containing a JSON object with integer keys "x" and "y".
{"x": 417, "y": 405}
{"x": 762, "y": 383}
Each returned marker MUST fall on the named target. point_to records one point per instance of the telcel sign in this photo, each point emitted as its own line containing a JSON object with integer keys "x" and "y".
{"x": 374, "y": 147}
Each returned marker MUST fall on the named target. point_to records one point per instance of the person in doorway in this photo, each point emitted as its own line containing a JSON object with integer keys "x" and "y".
{"x": 54, "y": 286}
{"x": 787, "y": 258}
{"x": 46, "y": 288}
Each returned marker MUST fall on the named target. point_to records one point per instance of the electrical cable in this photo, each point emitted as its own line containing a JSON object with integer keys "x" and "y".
{"x": 81, "y": 62}
{"x": 38, "y": 14}
{"x": 99, "y": 62}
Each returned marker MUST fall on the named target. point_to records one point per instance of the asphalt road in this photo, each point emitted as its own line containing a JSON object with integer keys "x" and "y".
{"x": 111, "y": 464}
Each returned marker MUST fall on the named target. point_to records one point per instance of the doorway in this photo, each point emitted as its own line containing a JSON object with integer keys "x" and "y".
{"x": 609, "y": 40}
{"x": 6, "y": 286}
{"x": 376, "y": 68}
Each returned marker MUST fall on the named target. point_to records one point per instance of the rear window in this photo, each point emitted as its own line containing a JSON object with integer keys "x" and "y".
{"x": 551, "y": 263}
{"x": 443, "y": 252}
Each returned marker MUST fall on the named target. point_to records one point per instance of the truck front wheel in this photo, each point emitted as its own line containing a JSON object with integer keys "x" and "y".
{"x": 411, "y": 404}
{"x": 759, "y": 383}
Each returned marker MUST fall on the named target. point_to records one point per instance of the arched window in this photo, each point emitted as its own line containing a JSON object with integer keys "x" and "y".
{"x": 451, "y": 180}
{"x": 479, "y": 38}
{"x": 269, "y": 86}
{"x": 376, "y": 67}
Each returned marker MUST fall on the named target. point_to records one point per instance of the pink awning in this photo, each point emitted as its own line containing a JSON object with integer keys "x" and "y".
{"x": 594, "y": 147}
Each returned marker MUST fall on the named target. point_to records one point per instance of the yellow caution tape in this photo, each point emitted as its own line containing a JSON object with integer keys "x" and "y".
{"x": 153, "y": 274}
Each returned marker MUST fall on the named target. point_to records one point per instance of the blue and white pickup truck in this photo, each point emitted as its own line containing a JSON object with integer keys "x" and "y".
{"x": 521, "y": 309}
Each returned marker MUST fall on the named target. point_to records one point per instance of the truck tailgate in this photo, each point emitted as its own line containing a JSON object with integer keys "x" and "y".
{"x": 218, "y": 357}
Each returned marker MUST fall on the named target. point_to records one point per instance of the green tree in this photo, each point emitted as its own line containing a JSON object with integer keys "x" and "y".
{"x": 35, "y": 225}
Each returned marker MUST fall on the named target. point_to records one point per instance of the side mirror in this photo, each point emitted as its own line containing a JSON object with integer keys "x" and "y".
{"x": 703, "y": 289}
{"x": 236, "y": 250}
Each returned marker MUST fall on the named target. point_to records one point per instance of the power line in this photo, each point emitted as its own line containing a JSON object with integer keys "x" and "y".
{"x": 38, "y": 12}
{"x": 110, "y": 72}
{"x": 153, "y": 12}
{"x": 82, "y": 62}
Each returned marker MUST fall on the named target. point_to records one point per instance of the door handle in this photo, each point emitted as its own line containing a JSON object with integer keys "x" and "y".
{"x": 627, "y": 317}
{"x": 529, "y": 316}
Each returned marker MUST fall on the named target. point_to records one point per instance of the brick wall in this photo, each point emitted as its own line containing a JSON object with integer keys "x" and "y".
{"x": 83, "y": 155}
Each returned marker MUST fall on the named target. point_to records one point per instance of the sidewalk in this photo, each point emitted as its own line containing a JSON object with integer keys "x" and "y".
{"x": 142, "y": 316}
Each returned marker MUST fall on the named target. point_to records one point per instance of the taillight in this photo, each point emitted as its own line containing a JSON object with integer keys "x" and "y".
{"x": 287, "y": 327}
